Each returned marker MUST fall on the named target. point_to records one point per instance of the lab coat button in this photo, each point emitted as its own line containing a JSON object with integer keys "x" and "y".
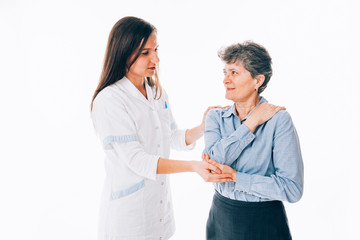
{"x": 158, "y": 145}
{"x": 162, "y": 183}
{"x": 161, "y": 201}
{"x": 160, "y": 219}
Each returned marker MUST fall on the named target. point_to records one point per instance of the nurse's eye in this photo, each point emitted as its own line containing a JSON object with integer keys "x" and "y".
{"x": 145, "y": 53}
{"x": 156, "y": 49}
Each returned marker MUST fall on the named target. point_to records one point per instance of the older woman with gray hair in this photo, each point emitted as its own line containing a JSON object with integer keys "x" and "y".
{"x": 257, "y": 143}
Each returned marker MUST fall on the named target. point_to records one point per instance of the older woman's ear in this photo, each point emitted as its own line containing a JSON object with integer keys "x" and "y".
{"x": 259, "y": 81}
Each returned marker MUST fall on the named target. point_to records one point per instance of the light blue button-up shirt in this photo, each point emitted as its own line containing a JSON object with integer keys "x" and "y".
{"x": 268, "y": 162}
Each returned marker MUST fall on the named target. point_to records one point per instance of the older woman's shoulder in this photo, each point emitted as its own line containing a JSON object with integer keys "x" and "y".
{"x": 215, "y": 114}
{"x": 282, "y": 117}
{"x": 220, "y": 111}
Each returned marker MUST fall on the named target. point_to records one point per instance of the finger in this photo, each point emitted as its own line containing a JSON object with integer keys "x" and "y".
{"x": 223, "y": 175}
{"x": 279, "y": 108}
{"x": 212, "y": 162}
{"x": 226, "y": 106}
{"x": 215, "y": 169}
{"x": 209, "y": 108}
{"x": 219, "y": 178}
{"x": 205, "y": 157}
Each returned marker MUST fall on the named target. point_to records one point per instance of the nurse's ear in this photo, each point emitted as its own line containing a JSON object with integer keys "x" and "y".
{"x": 259, "y": 81}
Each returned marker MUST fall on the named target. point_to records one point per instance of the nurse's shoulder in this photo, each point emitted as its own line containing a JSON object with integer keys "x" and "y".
{"x": 111, "y": 96}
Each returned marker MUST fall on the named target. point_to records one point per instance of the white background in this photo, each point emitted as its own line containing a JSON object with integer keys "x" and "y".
{"x": 51, "y": 54}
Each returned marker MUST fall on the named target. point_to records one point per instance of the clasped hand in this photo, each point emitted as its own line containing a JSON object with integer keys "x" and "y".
{"x": 212, "y": 171}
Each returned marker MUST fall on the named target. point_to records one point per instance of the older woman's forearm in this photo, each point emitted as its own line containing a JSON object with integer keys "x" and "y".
{"x": 227, "y": 149}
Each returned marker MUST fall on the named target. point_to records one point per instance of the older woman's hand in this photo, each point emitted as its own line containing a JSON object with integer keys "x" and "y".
{"x": 223, "y": 168}
{"x": 210, "y": 172}
{"x": 261, "y": 114}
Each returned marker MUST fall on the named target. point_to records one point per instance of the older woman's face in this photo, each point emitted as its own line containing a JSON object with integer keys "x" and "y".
{"x": 239, "y": 84}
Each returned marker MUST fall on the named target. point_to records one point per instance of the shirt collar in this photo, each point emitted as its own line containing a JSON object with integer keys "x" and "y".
{"x": 232, "y": 110}
{"x": 126, "y": 85}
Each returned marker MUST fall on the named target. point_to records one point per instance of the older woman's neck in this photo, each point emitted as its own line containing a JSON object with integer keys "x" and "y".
{"x": 243, "y": 108}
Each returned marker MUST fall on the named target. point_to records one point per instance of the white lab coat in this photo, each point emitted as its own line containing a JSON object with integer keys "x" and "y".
{"x": 135, "y": 131}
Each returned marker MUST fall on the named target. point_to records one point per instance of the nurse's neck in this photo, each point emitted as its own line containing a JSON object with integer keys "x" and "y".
{"x": 139, "y": 83}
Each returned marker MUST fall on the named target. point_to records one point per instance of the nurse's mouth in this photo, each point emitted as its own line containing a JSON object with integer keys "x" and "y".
{"x": 152, "y": 68}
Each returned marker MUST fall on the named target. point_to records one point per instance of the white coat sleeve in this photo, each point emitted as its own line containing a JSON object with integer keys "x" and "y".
{"x": 177, "y": 135}
{"x": 117, "y": 132}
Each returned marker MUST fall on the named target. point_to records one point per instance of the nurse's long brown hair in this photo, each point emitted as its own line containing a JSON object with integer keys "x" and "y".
{"x": 124, "y": 40}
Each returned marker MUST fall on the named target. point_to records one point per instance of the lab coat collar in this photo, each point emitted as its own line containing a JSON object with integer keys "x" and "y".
{"x": 126, "y": 85}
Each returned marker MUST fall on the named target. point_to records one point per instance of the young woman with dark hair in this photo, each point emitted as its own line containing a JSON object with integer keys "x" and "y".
{"x": 132, "y": 116}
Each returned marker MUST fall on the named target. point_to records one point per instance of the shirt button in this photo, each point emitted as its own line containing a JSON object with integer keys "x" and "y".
{"x": 161, "y": 220}
{"x": 158, "y": 145}
{"x": 161, "y": 201}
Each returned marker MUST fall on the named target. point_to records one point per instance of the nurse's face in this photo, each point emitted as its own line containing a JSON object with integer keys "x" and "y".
{"x": 145, "y": 64}
{"x": 239, "y": 84}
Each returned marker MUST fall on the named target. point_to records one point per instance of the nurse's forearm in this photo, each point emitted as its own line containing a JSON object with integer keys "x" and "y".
{"x": 166, "y": 166}
{"x": 209, "y": 172}
{"x": 191, "y": 135}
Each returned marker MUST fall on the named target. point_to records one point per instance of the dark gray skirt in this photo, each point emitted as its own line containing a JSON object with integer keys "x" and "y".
{"x": 237, "y": 220}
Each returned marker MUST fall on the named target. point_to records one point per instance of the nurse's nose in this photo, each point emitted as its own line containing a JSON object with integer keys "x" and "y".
{"x": 155, "y": 58}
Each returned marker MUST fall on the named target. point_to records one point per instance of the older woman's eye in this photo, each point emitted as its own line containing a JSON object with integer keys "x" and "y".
{"x": 145, "y": 53}
{"x": 233, "y": 72}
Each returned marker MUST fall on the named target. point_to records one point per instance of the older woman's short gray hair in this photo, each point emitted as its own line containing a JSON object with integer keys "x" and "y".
{"x": 254, "y": 57}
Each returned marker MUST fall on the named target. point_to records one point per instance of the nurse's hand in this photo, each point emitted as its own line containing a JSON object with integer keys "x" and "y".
{"x": 202, "y": 125}
{"x": 193, "y": 134}
{"x": 261, "y": 114}
{"x": 210, "y": 172}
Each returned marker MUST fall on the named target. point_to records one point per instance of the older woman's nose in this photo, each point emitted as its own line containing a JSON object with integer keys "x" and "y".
{"x": 226, "y": 79}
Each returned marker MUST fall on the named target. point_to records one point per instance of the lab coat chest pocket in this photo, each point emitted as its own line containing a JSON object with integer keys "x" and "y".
{"x": 165, "y": 122}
